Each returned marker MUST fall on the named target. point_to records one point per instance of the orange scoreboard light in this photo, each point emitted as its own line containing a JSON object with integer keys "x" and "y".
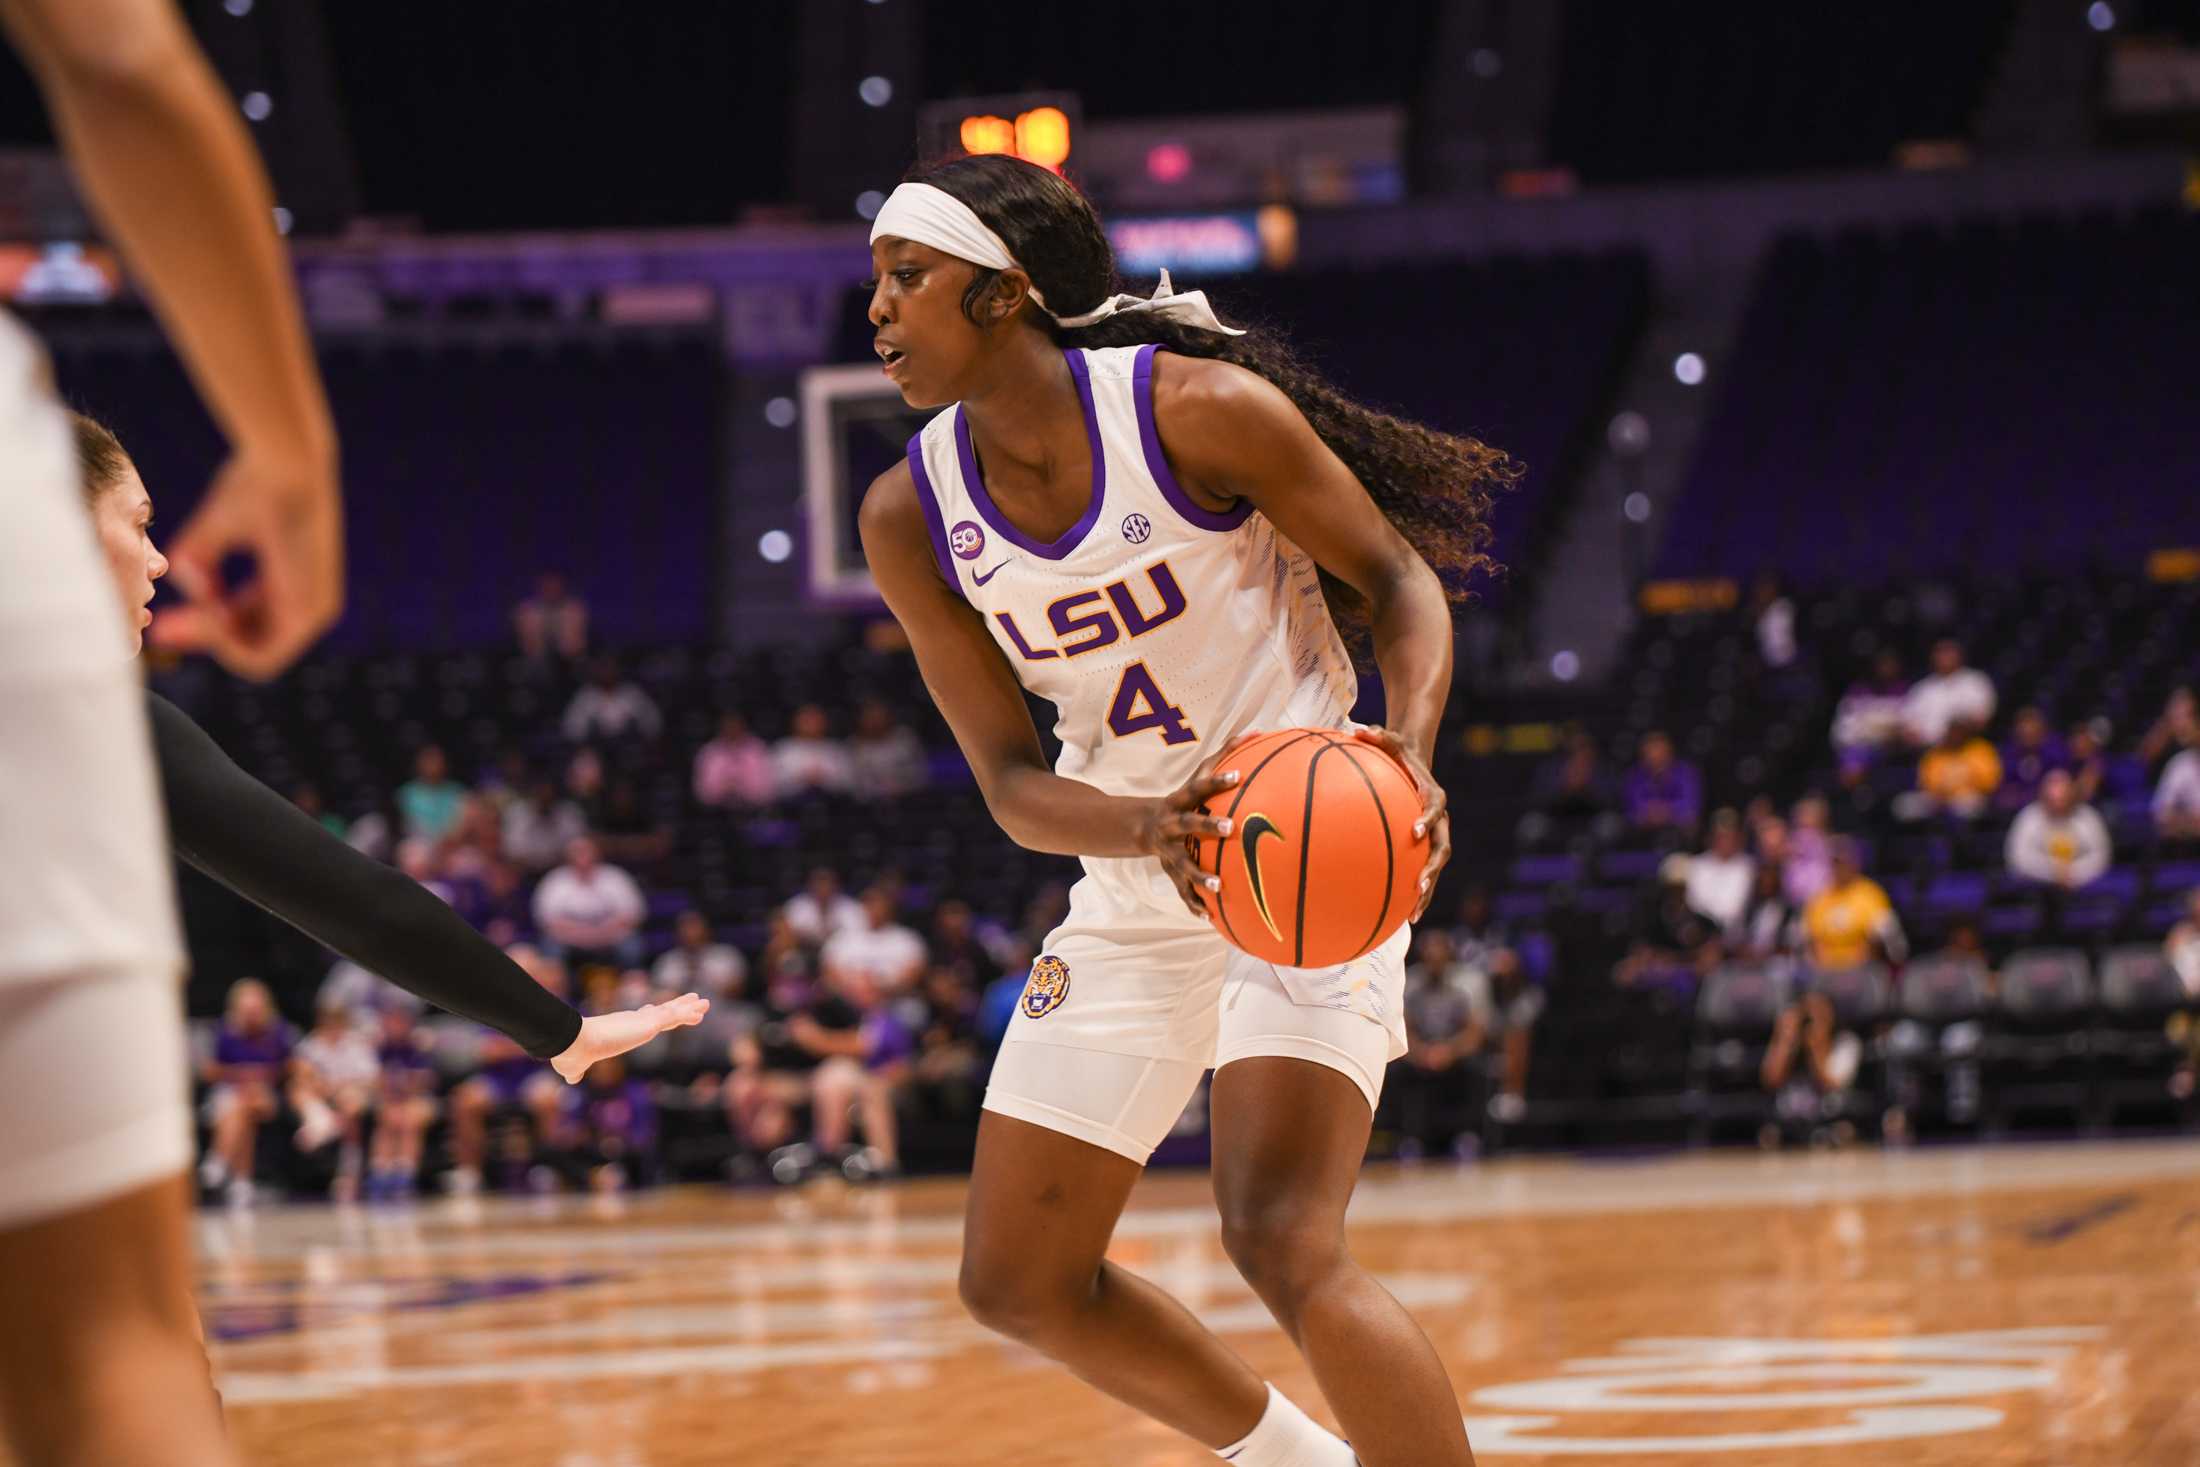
{"x": 1038, "y": 127}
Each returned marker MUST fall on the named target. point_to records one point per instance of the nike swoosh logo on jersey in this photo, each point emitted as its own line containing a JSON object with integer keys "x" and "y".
{"x": 1257, "y": 826}
{"x": 981, "y": 579}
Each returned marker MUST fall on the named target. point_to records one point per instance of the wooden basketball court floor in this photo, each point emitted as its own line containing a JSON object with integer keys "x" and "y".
{"x": 2006, "y": 1305}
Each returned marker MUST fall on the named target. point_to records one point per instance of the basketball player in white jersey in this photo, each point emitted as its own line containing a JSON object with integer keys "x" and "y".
{"x": 1135, "y": 512}
{"x": 99, "y": 1355}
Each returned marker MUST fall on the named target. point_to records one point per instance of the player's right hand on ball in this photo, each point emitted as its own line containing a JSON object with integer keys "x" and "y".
{"x": 1175, "y": 822}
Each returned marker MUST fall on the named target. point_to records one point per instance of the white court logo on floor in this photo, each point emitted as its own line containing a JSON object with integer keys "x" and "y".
{"x": 1891, "y": 1390}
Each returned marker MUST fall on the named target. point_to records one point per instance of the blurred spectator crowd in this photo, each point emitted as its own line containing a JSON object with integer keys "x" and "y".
{"x": 835, "y": 1018}
{"x": 1950, "y": 891}
{"x": 1965, "y": 908}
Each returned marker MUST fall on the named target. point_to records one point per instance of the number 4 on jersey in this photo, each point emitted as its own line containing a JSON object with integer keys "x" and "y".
{"x": 1140, "y": 705}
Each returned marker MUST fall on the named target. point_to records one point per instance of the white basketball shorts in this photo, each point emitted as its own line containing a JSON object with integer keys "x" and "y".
{"x": 95, "y": 1078}
{"x": 1134, "y": 999}
{"x": 87, "y": 901}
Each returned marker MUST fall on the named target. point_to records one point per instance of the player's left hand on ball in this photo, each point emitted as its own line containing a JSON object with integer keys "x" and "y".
{"x": 606, "y": 1035}
{"x": 1435, "y": 821}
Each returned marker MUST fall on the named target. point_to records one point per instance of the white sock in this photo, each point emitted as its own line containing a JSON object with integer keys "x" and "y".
{"x": 1285, "y": 1436}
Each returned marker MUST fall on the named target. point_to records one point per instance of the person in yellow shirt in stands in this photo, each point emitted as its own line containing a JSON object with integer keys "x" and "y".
{"x": 1812, "y": 1061}
{"x": 1958, "y": 775}
{"x": 1851, "y": 922}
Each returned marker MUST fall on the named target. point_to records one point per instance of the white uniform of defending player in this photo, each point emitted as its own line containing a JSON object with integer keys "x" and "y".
{"x": 92, "y": 1160}
{"x": 92, "y": 1066}
{"x": 1160, "y": 631}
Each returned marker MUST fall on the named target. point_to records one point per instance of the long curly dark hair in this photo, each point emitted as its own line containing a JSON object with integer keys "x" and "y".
{"x": 1437, "y": 488}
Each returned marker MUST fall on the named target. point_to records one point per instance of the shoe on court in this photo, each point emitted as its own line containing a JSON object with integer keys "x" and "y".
{"x": 791, "y": 1163}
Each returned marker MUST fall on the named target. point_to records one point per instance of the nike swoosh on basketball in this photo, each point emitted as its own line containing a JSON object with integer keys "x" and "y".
{"x": 1257, "y": 826}
{"x": 981, "y": 579}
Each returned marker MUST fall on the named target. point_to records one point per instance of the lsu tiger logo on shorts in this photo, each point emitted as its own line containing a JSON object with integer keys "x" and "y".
{"x": 1046, "y": 988}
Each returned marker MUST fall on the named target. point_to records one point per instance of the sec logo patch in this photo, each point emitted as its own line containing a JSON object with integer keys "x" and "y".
{"x": 1137, "y": 529}
{"x": 1046, "y": 988}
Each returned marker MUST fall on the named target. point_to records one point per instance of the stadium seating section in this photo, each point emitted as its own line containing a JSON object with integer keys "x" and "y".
{"x": 2014, "y": 395}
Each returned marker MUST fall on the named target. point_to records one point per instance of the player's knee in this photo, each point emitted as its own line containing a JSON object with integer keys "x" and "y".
{"x": 1277, "y": 1249}
{"x": 1010, "y": 1298}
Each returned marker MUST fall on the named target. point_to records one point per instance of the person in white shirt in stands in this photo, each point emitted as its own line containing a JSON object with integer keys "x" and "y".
{"x": 1719, "y": 878}
{"x": 1950, "y": 692}
{"x": 590, "y": 910}
{"x": 698, "y": 962}
{"x": 881, "y": 949}
{"x": 1867, "y": 722}
{"x": 610, "y": 708}
{"x": 335, "y": 1075}
{"x": 2058, "y": 841}
{"x": 821, "y": 908}
{"x": 809, "y": 759}
{"x": 2177, "y": 797}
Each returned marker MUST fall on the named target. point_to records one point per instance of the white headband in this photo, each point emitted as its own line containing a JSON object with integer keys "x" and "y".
{"x": 932, "y": 216}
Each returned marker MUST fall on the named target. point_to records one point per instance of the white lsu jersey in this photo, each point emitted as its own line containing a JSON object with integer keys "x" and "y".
{"x": 1159, "y": 630}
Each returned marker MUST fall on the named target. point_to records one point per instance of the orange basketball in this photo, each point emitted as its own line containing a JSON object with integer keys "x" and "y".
{"x": 1321, "y": 864}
